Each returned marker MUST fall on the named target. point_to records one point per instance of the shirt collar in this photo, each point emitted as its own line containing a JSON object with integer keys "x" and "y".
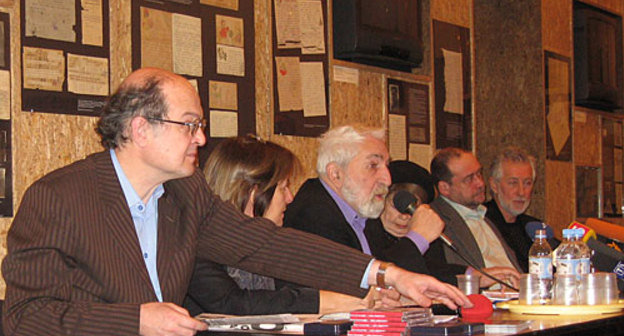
{"x": 466, "y": 212}
{"x": 132, "y": 198}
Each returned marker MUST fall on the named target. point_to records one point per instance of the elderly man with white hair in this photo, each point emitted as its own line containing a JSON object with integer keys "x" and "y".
{"x": 512, "y": 176}
{"x": 353, "y": 182}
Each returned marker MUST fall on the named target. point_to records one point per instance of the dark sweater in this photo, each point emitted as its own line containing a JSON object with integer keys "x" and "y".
{"x": 514, "y": 233}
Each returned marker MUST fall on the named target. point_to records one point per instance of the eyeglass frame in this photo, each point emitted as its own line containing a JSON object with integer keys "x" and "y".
{"x": 193, "y": 126}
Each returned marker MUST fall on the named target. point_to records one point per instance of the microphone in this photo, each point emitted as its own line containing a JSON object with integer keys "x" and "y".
{"x": 606, "y": 229}
{"x": 533, "y": 226}
{"x": 606, "y": 259}
{"x": 405, "y": 203}
{"x": 587, "y": 231}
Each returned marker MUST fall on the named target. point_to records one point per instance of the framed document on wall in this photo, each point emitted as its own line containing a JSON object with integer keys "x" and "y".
{"x": 6, "y": 152}
{"x": 452, "y": 76}
{"x": 558, "y": 107}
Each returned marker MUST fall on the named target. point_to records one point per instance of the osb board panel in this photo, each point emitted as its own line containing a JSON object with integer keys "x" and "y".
{"x": 264, "y": 68}
{"x": 508, "y": 77}
{"x": 557, "y": 26}
{"x": 586, "y": 139}
{"x": 560, "y": 202}
{"x": 358, "y": 104}
{"x": 305, "y": 149}
{"x": 458, "y": 12}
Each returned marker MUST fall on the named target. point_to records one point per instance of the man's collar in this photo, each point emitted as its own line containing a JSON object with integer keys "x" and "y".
{"x": 465, "y": 211}
{"x": 131, "y": 196}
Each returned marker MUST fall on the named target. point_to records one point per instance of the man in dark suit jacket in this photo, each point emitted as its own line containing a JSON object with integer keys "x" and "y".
{"x": 107, "y": 244}
{"x": 462, "y": 190}
{"x": 352, "y": 187}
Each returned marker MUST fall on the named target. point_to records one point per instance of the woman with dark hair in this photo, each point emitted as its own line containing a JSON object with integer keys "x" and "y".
{"x": 254, "y": 175}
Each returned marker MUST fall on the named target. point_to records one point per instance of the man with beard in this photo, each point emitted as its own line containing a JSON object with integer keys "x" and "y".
{"x": 462, "y": 190}
{"x": 512, "y": 174}
{"x": 353, "y": 182}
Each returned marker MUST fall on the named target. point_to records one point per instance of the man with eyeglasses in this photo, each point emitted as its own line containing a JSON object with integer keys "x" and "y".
{"x": 107, "y": 244}
{"x": 461, "y": 191}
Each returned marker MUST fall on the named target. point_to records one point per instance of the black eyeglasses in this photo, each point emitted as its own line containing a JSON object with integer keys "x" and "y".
{"x": 193, "y": 125}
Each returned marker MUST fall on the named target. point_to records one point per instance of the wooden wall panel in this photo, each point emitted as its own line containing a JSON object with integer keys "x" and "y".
{"x": 557, "y": 26}
{"x": 361, "y": 104}
{"x": 458, "y": 12}
{"x": 560, "y": 200}
{"x": 586, "y": 139}
{"x": 264, "y": 69}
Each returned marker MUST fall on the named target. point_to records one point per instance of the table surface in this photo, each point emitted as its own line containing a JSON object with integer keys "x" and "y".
{"x": 594, "y": 325}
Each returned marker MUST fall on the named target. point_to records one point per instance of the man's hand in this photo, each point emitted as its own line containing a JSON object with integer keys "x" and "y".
{"x": 505, "y": 274}
{"x": 426, "y": 223}
{"x": 423, "y": 288}
{"x": 157, "y": 318}
{"x": 378, "y": 297}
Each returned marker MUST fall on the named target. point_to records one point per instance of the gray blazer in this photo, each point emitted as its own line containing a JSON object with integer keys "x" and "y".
{"x": 457, "y": 229}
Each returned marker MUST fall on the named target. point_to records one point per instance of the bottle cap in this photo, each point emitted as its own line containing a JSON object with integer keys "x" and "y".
{"x": 567, "y": 233}
{"x": 540, "y": 233}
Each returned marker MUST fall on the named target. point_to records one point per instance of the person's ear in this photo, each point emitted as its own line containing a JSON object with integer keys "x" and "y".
{"x": 444, "y": 188}
{"x": 493, "y": 185}
{"x": 249, "y": 207}
{"x": 335, "y": 174}
{"x": 139, "y": 128}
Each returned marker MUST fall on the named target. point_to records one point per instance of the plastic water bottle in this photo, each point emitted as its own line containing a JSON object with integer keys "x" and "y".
{"x": 567, "y": 254}
{"x": 585, "y": 254}
{"x": 540, "y": 263}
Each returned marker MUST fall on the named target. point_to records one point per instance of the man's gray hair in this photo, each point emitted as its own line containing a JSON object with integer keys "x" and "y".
{"x": 510, "y": 154}
{"x": 341, "y": 144}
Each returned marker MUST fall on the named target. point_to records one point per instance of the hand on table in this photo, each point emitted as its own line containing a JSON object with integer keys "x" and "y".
{"x": 158, "y": 318}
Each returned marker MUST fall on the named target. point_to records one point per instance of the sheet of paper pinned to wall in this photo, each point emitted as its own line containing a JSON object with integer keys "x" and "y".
{"x": 288, "y": 83}
{"x": 223, "y": 124}
{"x": 87, "y": 75}
{"x": 312, "y": 25}
{"x": 229, "y": 4}
{"x": 453, "y": 82}
{"x": 229, "y": 30}
{"x": 346, "y": 75}
{"x": 92, "y": 22}
{"x": 2, "y": 183}
{"x": 223, "y": 95}
{"x": 558, "y": 118}
{"x": 53, "y": 20}
{"x": 44, "y": 69}
{"x": 187, "y": 45}
{"x": 5, "y": 95}
{"x": 313, "y": 89}
{"x": 397, "y": 138}
{"x": 287, "y": 24}
{"x": 230, "y": 60}
{"x": 420, "y": 154}
{"x": 2, "y": 45}
{"x": 194, "y": 84}
{"x": 156, "y": 44}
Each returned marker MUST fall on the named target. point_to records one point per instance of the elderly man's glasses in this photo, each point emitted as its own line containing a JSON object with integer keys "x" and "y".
{"x": 193, "y": 126}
